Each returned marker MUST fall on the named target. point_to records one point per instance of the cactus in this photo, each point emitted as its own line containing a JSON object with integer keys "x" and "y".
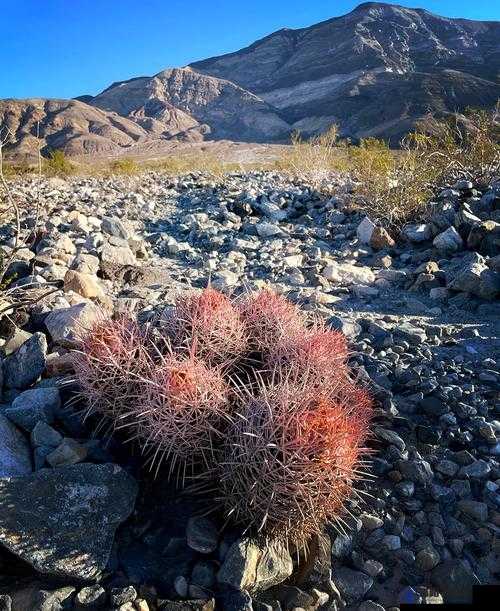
{"x": 208, "y": 326}
{"x": 316, "y": 354}
{"x": 110, "y": 364}
{"x": 270, "y": 319}
{"x": 256, "y": 393}
{"x": 291, "y": 458}
{"x": 181, "y": 412}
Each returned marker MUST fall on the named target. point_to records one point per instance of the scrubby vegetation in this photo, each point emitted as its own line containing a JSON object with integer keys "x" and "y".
{"x": 57, "y": 164}
{"x": 396, "y": 185}
{"x": 247, "y": 393}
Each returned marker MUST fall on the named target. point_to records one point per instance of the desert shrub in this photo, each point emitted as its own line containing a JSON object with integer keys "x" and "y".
{"x": 462, "y": 145}
{"x": 57, "y": 164}
{"x": 124, "y": 166}
{"x": 316, "y": 159}
{"x": 251, "y": 395}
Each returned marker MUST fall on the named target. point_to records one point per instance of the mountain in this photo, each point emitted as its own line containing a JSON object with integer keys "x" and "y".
{"x": 374, "y": 71}
{"x": 71, "y": 125}
{"x": 182, "y": 102}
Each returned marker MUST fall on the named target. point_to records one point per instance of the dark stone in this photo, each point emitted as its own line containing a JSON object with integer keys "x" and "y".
{"x": 62, "y": 521}
{"x": 27, "y": 363}
{"x": 454, "y": 581}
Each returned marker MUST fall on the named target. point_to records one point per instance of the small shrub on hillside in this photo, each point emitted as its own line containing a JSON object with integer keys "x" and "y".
{"x": 250, "y": 394}
{"x": 57, "y": 164}
{"x": 124, "y": 166}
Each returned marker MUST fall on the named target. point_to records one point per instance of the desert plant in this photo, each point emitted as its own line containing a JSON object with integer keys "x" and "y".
{"x": 206, "y": 325}
{"x": 316, "y": 159}
{"x": 124, "y": 166}
{"x": 181, "y": 412}
{"x": 112, "y": 362}
{"x": 317, "y": 356}
{"x": 252, "y": 393}
{"x": 291, "y": 458}
{"x": 57, "y": 164}
{"x": 270, "y": 319}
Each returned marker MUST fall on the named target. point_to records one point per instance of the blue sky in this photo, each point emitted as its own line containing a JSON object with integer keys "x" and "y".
{"x": 64, "y": 48}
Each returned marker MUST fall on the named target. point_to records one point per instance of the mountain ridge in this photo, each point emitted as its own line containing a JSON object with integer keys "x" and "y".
{"x": 374, "y": 71}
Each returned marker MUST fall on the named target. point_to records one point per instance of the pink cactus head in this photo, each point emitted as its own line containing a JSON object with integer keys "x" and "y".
{"x": 318, "y": 354}
{"x": 291, "y": 460}
{"x": 110, "y": 364}
{"x": 182, "y": 411}
{"x": 270, "y": 318}
{"x": 208, "y": 326}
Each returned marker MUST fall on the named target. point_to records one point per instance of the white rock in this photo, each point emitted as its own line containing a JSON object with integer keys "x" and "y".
{"x": 365, "y": 230}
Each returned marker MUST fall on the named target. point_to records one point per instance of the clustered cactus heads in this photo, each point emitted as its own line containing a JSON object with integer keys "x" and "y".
{"x": 248, "y": 392}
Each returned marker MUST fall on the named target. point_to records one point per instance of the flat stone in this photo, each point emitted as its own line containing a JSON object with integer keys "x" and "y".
{"x": 33, "y": 406}
{"x": 474, "y": 509}
{"x": 454, "y": 581}
{"x": 15, "y": 455}
{"x": 69, "y": 452}
{"x": 449, "y": 241}
{"x": 45, "y": 435}
{"x": 62, "y": 521}
{"x": 353, "y": 585}
{"x": 85, "y": 285}
{"x": 27, "y": 363}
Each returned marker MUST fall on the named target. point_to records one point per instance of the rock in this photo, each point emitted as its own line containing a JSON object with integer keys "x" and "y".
{"x": 380, "y": 239}
{"x": 114, "y": 227}
{"x": 15, "y": 455}
{"x": 454, "y": 581}
{"x": 365, "y": 230}
{"x": 202, "y": 535}
{"x": 348, "y": 273}
{"x": 54, "y": 536}
{"x": 469, "y": 276}
{"x": 85, "y": 264}
{"x": 417, "y": 470}
{"x": 247, "y": 566}
{"x": 66, "y": 324}
{"x": 449, "y": 241}
{"x": 417, "y": 233}
{"x": 121, "y": 596}
{"x": 353, "y": 585}
{"x": 91, "y": 597}
{"x": 5, "y": 602}
{"x": 85, "y": 285}
{"x": 427, "y": 559}
{"x": 489, "y": 285}
{"x": 38, "y": 598}
{"x": 116, "y": 257}
{"x": 69, "y": 452}
{"x": 33, "y": 406}
{"x": 268, "y": 230}
{"x": 224, "y": 280}
{"x": 474, "y": 509}
{"x": 27, "y": 363}
{"x": 15, "y": 341}
{"x": 485, "y": 238}
{"x": 349, "y": 328}
{"x": 44, "y": 435}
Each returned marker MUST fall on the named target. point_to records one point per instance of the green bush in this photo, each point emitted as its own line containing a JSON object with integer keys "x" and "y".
{"x": 58, "y": 165}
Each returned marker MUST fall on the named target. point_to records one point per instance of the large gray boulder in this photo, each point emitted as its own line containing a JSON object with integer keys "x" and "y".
{"x": 63, "y": 521}
{"x": 65, "y": 325}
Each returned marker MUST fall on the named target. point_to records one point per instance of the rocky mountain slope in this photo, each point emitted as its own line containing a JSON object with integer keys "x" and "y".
{"x": 374, "y": 71}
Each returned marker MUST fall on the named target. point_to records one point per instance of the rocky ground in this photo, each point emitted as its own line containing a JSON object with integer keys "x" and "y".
{"x": 83, "y": 525}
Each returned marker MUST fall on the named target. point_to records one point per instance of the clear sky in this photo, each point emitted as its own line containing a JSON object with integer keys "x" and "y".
{"x": 65, "y": 48}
